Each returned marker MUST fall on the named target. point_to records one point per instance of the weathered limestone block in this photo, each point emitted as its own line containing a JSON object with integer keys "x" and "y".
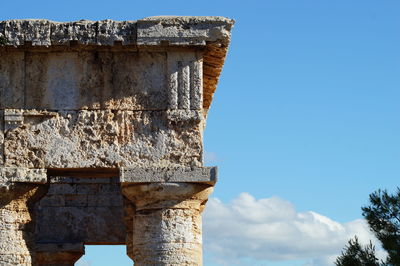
{"x": 149, "y": 31}
{"x": 205, "y": 175}
{"x": 96, "y": 80}
{"x": 90, "y": 79}
{"x": 183, "y": 30}
{"x": 12, "y": 79}
{"x": 18, "y": 194}
{"x": 167, "y": 222}
{"x": 83, "y": 80}
{"x": 16, "y": 32}
{"x": 87, "y": 139}
{"x": 41, "y": 32}
{"x": 110, "y": 31}
{"x": 11, "y": 176}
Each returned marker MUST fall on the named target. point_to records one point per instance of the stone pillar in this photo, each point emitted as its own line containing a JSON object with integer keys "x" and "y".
{"x": 167, "y": 227}
{"x": 63, "y": 254}
{"x": 18, "y": 195}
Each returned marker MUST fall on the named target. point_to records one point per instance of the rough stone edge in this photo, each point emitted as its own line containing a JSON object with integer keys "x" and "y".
{"x": 22, "y": 175}
{"x": 206, "y": 175}
{"x": 150, "y": 31}
{"x": 182, "y": 30}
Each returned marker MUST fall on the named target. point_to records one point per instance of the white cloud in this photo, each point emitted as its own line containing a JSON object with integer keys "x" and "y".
{"x": 83, "y": 262}
{"x": 271, "y": 229}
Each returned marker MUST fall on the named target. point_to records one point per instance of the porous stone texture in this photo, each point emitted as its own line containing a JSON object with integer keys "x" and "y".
{"x": 167, "y": 222}
{"x": 17, "y": 221}
{"x": 206, "y": 175}
{"x": 12, "y": 176}
{"x": 90, "y": 107}
{"x": 179, "y": 30}
{"x": 183, "y": 30}
{"x": 88, "y": 139}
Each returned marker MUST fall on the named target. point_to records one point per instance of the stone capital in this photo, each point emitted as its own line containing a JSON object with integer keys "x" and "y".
{"x": 167, "y": 195}
{"x": 167, "y": 222}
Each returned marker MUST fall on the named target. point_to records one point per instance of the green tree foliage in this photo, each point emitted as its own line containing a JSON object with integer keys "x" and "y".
{"x": 357, "y": 255}
{"x": 383, "y": 217}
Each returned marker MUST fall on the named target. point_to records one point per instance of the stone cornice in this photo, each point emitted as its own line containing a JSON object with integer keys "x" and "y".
{"x": 211, "y": 33}
{"x": 164, "y": 30}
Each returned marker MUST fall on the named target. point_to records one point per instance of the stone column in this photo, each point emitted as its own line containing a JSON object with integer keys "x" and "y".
{"x": 167, "y": 227}
{"x": 20, "y": 189}
{"x": 63, "y": 254}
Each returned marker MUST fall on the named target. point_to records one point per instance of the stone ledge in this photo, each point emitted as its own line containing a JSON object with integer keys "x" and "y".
{"x": 206, "y": 175}
{"x": 22, "y": 175}
{"x": 172, "y": 30}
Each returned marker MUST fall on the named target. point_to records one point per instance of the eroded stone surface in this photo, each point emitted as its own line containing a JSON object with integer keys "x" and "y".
{"x": 87, "y": 139}
{"x": 206, "y": 175}
{"x": 17, "y": 224}
{"x": 183, "y": 30}
{"x": 80, "y": 101}
{"x": 10, "y": 176}
{"x": 149, "y": 31}
{"x": 12, "y": 79}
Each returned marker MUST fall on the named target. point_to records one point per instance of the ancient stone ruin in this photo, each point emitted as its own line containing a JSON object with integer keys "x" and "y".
{"x": 101, "y": 128}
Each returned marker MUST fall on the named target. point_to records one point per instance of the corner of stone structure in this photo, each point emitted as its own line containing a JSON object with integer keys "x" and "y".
{"x": 101, "y": 128}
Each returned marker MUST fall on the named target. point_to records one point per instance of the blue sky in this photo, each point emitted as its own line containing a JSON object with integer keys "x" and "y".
{"x": 306, "y": 112}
